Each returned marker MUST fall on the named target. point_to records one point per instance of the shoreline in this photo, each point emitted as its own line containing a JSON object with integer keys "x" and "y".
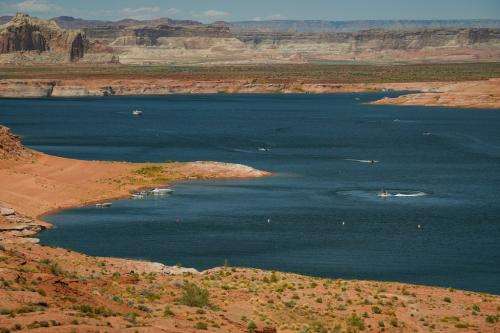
{"x": 484, "y": 94}
{"x": 41, "y": 216}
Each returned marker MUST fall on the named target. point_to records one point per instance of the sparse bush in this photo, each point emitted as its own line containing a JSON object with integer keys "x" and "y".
{"x": 131, "y": 317}
{"x": 167, "y": 312}
{"x": 201, "y": 326}
{"x": 251, "y": 327}
{"x": 356, "y": 321}
{"x": 89, "y": 311}
{"x": 4, "y": 311}
{"x": 193, "y": 295}
{"x": 149, "y": 171}
{"x": 376, "y": 310}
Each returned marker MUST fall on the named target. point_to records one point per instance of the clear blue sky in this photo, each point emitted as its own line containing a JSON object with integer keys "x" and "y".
{"x": 233, "y": 10}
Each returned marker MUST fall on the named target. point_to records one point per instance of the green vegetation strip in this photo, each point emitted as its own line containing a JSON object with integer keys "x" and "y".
{"x": 327, "y": 73}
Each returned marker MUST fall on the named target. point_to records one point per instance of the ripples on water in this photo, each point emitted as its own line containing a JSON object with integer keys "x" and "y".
{"x": 321, "y": 214}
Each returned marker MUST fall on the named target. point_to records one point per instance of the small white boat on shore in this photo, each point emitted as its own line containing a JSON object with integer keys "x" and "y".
{"x": 137, "y": 113}
{"x": 103, "y": 205}
{"x": 161, "y": 191}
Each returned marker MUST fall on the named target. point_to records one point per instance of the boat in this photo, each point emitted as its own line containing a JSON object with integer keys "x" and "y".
{"x": 384, "y": 194}
{"x": 137, "y": 112}
{"x": 161, "y": 191}
{"x": 103, "y": 205}
{"x": 137, "y": 196}
{"x": 263, "y": 149}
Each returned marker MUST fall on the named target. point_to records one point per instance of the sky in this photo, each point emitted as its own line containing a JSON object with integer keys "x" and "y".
{"x": 238, "y": 10}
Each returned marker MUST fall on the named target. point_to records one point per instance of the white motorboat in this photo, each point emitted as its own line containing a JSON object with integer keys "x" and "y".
{"x": 384, "y": 194}
{"x": 161, "y": 191}
{"x": 103, "y": 205}
{"x": 137, "y": 112}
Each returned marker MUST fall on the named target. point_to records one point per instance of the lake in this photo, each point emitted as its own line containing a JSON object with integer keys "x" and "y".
{"x": 320, "y": 214}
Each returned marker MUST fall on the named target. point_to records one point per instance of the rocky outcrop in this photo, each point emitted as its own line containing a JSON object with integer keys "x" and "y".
{"x": 15, "y": 227}
{"x": 24, "y": 33}
{"x": 10, "y": 146}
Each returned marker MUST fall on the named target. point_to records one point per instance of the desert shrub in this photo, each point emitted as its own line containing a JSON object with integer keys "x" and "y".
{"x": 490, "y": 319}
{"x": 4, "y": 311}
{"x": 90, "y": 311}
{"x": 144, "y": 308}
{"x": 201, "y": 326}
{"x": 149, "y": 171}
{"x": 167, "y": 312}
{"x": 317, "y": 327}
{"x": 251, "y": 327}
{"x": 192, "y": 295}
{"x": 376, "y": 310}
{"x": 55, "y": 269}
{"x": 356, "y": 321}
{"x": 131, "y": 317}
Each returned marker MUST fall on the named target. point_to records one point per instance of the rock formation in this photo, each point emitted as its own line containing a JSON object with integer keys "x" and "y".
{"x": 24, "y": 33}
{"x": 164, "y": 41}
{"x": 10, "y": 145}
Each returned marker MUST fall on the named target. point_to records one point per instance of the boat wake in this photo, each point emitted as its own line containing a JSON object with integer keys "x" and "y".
{"x": 362, "y": 161}
{"x": 417, "y": 194}
{"x": 383, "y": 194}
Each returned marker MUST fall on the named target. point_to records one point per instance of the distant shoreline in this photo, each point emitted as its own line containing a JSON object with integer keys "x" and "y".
{"x": 483, "y": 94}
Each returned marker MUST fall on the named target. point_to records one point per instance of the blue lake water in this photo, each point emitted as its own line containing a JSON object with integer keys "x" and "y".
{"x": 320, "y": 214}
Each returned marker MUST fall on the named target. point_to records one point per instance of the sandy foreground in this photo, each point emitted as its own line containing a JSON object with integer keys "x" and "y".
{"x": 49, "y": 289}
{"x": 467, "y": 94}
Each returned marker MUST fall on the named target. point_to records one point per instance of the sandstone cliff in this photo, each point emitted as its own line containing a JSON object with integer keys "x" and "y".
{"x": 24, "y": 33}
{"x": 164, "y": 41}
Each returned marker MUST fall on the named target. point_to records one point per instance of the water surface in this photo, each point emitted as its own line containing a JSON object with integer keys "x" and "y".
{"x": 320, "y": 215}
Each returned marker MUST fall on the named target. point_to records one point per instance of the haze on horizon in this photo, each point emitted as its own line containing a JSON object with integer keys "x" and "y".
{"x": 213, "y": 10}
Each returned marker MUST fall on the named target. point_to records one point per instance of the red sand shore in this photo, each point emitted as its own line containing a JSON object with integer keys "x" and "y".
{"x": 57, "y": 290}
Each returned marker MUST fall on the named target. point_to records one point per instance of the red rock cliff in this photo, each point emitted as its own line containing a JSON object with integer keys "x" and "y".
{"x": 24, "y": 33}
